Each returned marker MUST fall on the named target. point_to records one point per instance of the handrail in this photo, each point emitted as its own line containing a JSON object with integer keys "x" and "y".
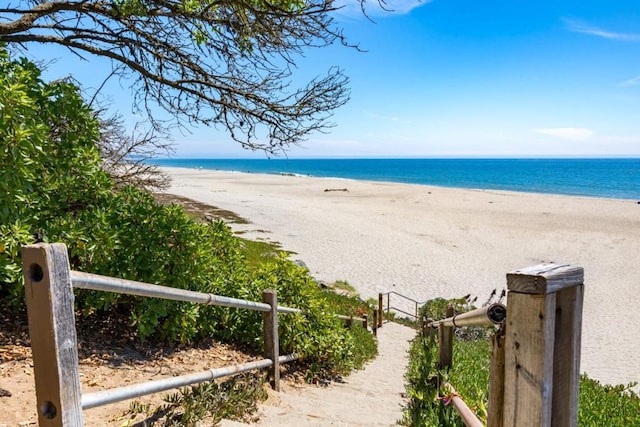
{"x": 49, "y": 284}
{"x": 403, "y": 296}
{"x": 118, "y": 394}
{"x": 97, "y": 282}
{"x": 493, "y": 314}
{"x": 468, "y": 416}
{"x": 344, "y": 317}
{"x": 390, "y": 307}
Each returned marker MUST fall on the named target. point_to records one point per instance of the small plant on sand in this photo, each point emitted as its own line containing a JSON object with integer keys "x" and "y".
{"x": 234, "y": 399}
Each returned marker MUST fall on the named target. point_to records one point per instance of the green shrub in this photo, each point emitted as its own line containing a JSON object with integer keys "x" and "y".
{"x": 52, "y": 189}
{"x": 607, "y": 405}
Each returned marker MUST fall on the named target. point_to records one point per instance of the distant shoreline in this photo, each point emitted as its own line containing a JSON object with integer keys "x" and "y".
{"x": 602, "y": 178}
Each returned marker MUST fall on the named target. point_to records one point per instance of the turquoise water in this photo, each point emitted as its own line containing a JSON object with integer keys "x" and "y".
{"x": 611, "y": 178}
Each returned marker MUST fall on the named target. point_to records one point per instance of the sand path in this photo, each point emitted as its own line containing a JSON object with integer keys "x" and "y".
{"x": 369, "y": 397}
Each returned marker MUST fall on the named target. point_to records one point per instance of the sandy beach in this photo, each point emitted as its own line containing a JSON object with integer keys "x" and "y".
{"x": 429, "y": 242}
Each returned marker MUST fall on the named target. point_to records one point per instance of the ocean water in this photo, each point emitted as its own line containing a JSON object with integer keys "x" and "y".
{"x": 610, "y": 178}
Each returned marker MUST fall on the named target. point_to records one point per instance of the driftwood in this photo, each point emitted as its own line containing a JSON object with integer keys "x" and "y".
{"x": 335, "y": 189}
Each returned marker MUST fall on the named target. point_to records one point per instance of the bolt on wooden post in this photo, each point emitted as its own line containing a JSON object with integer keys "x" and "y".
{"x": 542, "y": 346}
{"x": 52, "y": 329}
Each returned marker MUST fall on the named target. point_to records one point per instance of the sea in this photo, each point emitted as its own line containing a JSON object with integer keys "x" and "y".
{"x": 609, "y": 178}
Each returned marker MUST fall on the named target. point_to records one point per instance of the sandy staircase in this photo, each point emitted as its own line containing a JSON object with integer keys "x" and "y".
{"x": 369, "y": 397}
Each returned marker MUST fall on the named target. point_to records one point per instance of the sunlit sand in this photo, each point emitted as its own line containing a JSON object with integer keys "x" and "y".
{"x": 429, "y": 242}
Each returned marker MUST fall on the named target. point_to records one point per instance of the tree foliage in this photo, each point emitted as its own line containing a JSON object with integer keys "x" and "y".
{"x": 222, "y": 62}
{"x": 49, "y": 167}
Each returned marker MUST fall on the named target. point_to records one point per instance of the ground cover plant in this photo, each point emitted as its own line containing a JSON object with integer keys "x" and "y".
{"x": 599, "y": 405}
{"x": 234, "y": 398}
{"x": 53, "y": 189}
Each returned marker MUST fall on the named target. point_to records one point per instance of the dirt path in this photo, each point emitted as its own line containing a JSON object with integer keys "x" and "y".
{"x": 369, "y": 397}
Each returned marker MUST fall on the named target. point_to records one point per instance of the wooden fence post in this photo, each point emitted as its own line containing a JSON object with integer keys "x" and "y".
{"x": 380, "y": 310}
{"x": 375, "y": 323}
{"x": 365, "y": 321}
{"x": 429, "y": 331}
{"x": 445, "y": 340}
{"x": 496, "y": 380}
{"x": 271, "y": 340}
{"x": 52, "y": 329}
{"x": 542, "y": 346}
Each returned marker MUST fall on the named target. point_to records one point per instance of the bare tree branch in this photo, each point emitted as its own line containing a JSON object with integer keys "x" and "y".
{"x": 125, "y": 158}
{"x": 212, "y": 62}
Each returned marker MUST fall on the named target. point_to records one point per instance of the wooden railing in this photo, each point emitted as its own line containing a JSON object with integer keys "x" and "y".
{"x": 49, "y": 284}
{"x": 535, "y": 362}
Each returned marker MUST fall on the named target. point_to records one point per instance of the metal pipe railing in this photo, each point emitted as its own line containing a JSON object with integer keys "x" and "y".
{"x": 118, "y": 394}
{"x": 289, "y": 358}
{"x": 399, "y": 310}
{"x": 97, "y": 282}
{"x": 357, "y": 319}
{"x": 468, "y": 416}
{"x": 493, "y": 314}
{"x": 289, "y": 310}
{"x": 49, "y": 287}
{"x": 415, "y": 302}
{"x": 403, "y": 296}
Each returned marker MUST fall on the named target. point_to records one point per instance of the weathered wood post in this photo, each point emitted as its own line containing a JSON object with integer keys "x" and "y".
{"x": 271, "y": 340}
{"x": 445, "y": 340}
{"x": 542, "y": 346}
{"x": 429, "y": 331}
{"x": 380, "y": 310}
{"x": 496, "y": 380}
{"x": 365, "y": 320}
{"x": 52, "y": 329}
{"x": 375, "y": 323}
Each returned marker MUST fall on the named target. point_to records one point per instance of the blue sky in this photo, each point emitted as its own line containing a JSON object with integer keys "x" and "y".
{"x": 469, "y": 78}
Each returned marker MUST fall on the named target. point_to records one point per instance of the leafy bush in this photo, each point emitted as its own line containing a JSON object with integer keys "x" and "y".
{"x": 52, "y": 189}
{"x": 607, "y": 405}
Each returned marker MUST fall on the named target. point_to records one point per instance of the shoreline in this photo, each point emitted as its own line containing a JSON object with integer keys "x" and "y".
{"x": 428, "y": 241}
{"x": 373, "y": 182}
{"x": 590, "y": 177}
